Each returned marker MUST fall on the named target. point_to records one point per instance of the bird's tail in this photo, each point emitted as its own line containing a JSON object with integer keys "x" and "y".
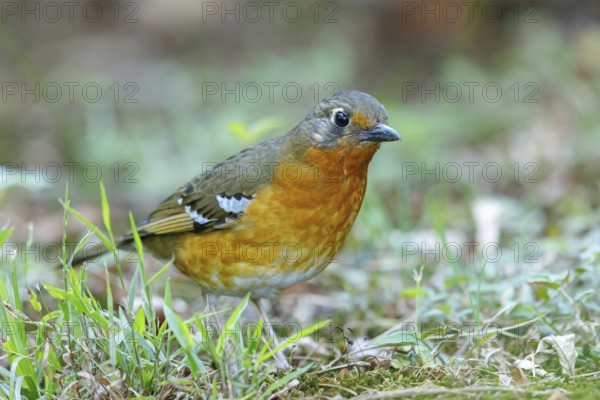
{"x": 97, "y": 251}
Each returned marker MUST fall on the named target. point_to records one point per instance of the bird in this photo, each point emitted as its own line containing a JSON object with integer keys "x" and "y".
{"x": 277, "y": 213}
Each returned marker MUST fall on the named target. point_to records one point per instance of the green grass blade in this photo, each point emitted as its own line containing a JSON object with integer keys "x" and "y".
{"x": 183, "y": 336}
{"x": 105, "y": 240}
{"x": 160, "y": 272}
{"x": 232, "y": 325}
{"x": 106, "y": 212}
{"x": 293, "y": 339}
{"x": 284, "y": 380}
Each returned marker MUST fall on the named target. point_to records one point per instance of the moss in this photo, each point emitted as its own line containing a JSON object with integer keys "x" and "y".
{"x": 358, "y": 380}
{"x": 350, "y": 381}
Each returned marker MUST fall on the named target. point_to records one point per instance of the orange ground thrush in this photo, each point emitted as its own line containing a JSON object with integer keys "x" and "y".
{"x": 274, "y": 214}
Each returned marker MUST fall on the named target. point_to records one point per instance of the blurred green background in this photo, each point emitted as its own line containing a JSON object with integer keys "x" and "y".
{"x": 142, "y": 94}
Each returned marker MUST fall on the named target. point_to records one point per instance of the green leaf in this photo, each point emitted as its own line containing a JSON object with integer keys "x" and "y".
{"x": 398, "y": 338}
{"x": 238, "y": 130}
{"x": 106, "y": 211}
{"x": 140, "y": 321}
{"x": 132, "y": 288}
{"x": 179, "y": 329}
{"x": 285, "y": 379}
{"x": 254, "y": 336}
{"x": 259, "y": 128}
{"x": 412, "y": 293}
{"x": 168, "y": 298}
{"x": 5, "y": 234}
{"x": 34, "y": 301}
{"x": 481, "y": 341}
{"x": 183, "y": 336}
{"x": 160, "y": 272}
{"x": 293, "y": 339}
{"x": 232, "y": 325}
{"x": 22, "y": 369}
{"x": 138, "y": 244}
{"x": 106, "y": 241}
{"x": 548, "y": 284}
{"x": 109, "y": 296}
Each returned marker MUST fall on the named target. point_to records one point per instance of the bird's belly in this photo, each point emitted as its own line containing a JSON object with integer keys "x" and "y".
{"x": 262, "y": 261}
{"x": 266, "y": 285}
{"x": 287, "y": 235}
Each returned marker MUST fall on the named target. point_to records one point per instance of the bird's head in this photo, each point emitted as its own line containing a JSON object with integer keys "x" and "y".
{"x": 348, "y": 118}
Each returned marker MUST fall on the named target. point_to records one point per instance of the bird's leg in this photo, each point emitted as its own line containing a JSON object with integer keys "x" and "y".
{"x": 211, "y": 303}
{"x": 280, "y": 360}
{"x": 268, "y": 323}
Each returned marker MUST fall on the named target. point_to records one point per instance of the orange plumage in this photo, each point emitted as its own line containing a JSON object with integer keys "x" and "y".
{"x": 289, "y": 233}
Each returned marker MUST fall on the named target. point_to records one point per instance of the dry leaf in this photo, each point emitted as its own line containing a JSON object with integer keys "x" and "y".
{"x": 561, "y": 347}
{"x": 518, "y": 376}
{"x": 505, "y": 380}
{"x": 528, "y": 365}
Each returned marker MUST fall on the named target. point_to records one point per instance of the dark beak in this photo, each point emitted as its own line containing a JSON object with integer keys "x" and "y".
{"x": 380, "y": 133}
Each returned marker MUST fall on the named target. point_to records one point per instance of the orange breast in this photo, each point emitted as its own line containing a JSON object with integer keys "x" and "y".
{"x": 289, "y": 232}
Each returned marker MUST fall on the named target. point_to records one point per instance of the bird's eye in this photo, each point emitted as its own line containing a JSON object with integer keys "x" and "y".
{"x": 341, "y": 119}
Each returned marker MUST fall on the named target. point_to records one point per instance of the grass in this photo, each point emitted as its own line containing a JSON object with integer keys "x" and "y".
{"x": 394, "y": 322}
{"x": 74, "y": 347}
{"x": 62, "y": 342}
